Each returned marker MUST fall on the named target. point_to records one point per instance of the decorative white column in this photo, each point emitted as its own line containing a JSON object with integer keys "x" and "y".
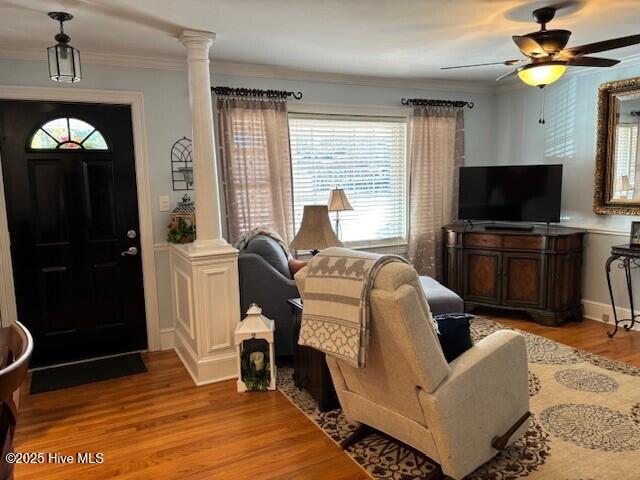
{"x": 204, "y": 274}
{"x": 205, "y": 176}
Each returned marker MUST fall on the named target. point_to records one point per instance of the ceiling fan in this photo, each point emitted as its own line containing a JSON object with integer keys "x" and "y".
{"x": 547, "y": 56}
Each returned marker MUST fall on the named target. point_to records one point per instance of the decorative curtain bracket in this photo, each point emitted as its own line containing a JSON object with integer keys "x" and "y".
{"x": 422, "y": 102}
{"x": 255, "y": 93}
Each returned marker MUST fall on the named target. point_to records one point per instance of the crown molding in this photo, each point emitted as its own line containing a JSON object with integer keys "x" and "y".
{"x": 283, "y": 73}
{"x": 94, "y": 58}
{"x": 256, "y": 71}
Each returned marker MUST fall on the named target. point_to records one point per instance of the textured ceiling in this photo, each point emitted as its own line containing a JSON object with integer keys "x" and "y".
{"x": 408, "y": 39}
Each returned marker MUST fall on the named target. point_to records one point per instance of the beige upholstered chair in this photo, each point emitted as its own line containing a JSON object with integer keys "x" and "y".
{"x": 458, "y": 414}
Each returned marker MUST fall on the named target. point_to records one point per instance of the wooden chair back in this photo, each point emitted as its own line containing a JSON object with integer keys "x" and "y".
{"x": 16, "y": 346}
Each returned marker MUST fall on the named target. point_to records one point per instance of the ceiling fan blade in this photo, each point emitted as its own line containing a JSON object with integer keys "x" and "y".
{"x": 507, "y": 75}
{"x": 592, "y": 62}
{"x": 602, "y": 46}
{"x": 506, "y": 62}
{"x": 529, "y": 46}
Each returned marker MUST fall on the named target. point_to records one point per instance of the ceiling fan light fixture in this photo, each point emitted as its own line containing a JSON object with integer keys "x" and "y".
{"x": 64, "y": 60}
{"x": 542, "y": 74}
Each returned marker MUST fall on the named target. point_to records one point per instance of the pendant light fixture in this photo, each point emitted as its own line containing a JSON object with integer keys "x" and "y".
{"x": 64, "y": 60}
{"x": 541, "y": 74}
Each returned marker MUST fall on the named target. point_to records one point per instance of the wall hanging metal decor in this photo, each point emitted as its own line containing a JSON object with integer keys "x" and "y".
{"x": 182, "y": 165}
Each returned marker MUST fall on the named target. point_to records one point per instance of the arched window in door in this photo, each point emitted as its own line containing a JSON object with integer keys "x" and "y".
{"x": 67, "y": 133}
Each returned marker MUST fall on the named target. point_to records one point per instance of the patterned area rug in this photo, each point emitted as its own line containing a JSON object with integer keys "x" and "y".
{"x": 585, "y": 423}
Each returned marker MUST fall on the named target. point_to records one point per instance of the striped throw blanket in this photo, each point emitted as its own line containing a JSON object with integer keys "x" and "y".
{"x": 335, "y": 318}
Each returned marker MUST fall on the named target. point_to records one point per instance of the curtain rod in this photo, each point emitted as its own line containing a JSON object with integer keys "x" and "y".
{"x": 422, "y": 102}
{"x": 255, "y": 92}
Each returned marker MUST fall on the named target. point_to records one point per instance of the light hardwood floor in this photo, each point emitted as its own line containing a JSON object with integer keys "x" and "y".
{"x": 157, "y": 425}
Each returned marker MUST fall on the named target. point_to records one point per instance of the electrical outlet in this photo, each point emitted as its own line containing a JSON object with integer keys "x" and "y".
{"x": 164, "y": 203}
{"x": 605, "y": 317}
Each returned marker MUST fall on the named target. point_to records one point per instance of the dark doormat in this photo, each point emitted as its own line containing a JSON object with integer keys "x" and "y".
{"x": 87, "y": 372}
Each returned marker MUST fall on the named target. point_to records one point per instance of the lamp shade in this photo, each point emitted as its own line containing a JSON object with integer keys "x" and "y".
{"x": 541, "y": 74}
{"x": 315, "y": 232}
{"x": 338, "y": 201}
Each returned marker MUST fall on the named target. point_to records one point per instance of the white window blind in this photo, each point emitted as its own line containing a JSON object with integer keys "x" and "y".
{"x": 364, "y": 156}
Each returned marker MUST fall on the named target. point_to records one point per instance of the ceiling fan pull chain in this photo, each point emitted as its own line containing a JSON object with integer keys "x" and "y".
{"x": 541, "y": 119}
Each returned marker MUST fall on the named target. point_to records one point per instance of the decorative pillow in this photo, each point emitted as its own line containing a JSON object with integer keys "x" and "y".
{"x": 295, "y": 265}
{"x": 269, "y": 249}
{"x": 454, "y": 336}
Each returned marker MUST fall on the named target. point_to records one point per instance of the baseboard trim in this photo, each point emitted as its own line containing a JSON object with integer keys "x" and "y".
{"x": 596, "y": 310}
{"x": 167, "y": 339}
{"x": 205, "y": 370}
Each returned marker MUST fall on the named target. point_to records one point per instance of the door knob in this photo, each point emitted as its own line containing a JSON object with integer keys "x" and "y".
{"x": 132, "y": 234}
{"x": 130, "y": 251}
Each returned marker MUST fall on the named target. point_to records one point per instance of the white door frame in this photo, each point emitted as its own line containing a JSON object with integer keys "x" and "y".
{"x": 135, "y": 100}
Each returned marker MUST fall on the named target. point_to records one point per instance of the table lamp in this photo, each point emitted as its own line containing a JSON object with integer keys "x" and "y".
{"x": 338, "y": 202}
{"x": 315, "y": 231}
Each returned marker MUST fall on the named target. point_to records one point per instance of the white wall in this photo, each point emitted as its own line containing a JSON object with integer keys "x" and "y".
{"x": 500, "y": 129}
{"x": 568, "y": 137}
{"x": 167, "y": 116}
{"x": 479, "y": 132}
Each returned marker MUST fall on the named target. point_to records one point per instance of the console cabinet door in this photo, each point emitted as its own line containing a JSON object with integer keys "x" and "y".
{"x": 523, "y": 279}
{"x": 482, "y": 276}
{"x": 565, "y": 292}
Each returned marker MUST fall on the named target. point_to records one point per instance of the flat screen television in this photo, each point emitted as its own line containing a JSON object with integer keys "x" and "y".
{"x": 528, "y": 193}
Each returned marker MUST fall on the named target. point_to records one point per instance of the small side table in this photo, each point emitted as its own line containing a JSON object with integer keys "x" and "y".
{"x": 628, "y": 258}
{"x": 310, "y": 370}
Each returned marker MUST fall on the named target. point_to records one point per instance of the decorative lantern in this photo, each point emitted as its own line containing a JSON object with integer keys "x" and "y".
{"x": 182, "y": 228}
{"x": 256, "y": 353}
{"x": 64, "y": 60}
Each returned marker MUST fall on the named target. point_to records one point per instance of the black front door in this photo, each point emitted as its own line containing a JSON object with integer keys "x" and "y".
{"x": 70, "y": 188}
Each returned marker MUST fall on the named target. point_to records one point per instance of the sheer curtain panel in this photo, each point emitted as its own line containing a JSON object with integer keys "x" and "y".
{"x": 256, "y": 165}
{"x": 437, "y": 151}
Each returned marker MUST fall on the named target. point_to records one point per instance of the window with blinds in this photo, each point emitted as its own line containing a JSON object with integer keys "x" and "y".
{"x": 366, "y": 156}
{"x": 625, "y": 158}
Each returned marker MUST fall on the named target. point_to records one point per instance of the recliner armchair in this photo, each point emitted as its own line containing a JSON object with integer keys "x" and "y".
{"x": 265, "y": 280}
{"x": 458, "y": 414}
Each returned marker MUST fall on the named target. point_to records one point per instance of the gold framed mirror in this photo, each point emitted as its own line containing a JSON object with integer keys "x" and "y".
{"x": 617, "y": 175}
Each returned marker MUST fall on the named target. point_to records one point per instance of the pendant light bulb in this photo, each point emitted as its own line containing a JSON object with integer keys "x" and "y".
{"x": 542, "y": 74}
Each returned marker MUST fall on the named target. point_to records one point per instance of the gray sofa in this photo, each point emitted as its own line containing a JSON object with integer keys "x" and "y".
{"x": 266, "y": 281}
{"x": 440, "y": 298}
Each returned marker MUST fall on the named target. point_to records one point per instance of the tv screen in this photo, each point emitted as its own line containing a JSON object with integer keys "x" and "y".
{"x": 529, "y": 193}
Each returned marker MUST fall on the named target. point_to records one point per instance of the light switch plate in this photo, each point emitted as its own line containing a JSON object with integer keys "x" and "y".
{"x": 165, "y": 203}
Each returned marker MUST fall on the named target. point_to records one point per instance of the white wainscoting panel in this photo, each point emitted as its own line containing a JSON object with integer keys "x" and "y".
{"x": 218, "y": 283}
{"x": 206, "y": 310}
